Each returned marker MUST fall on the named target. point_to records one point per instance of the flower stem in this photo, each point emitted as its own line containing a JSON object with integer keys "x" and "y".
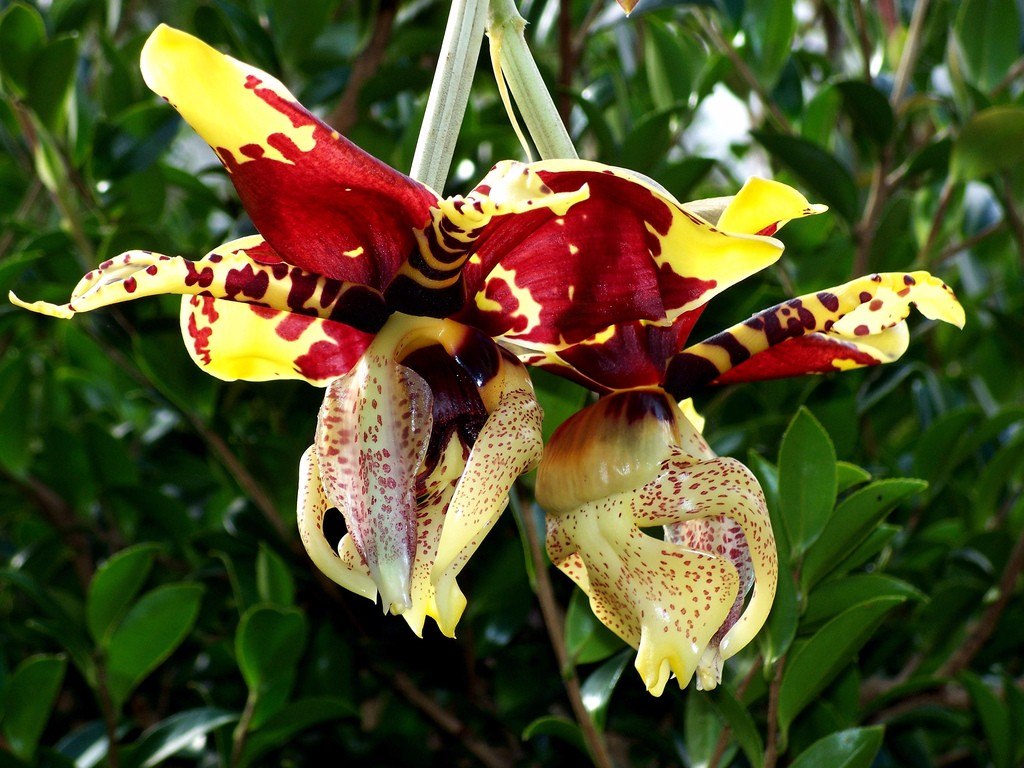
{"x": 449, "y": 93}
{"x": 514, "y": 62}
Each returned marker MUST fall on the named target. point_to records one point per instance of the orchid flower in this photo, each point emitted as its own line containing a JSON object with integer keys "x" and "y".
{"x": 411, "y": 310}
{"x": 636, "y": 459}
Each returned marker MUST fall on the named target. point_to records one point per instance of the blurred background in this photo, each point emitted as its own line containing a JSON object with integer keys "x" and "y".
{"x": 153, "y": 590}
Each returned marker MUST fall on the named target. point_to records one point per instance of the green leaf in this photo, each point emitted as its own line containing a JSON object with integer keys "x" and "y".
{"x": 988, "y": 32}
{"x": 814, "y": 663}
{"x": 702, "y": 727}
{"x": 849, "y": 475}
{"x": 152, "y": 629}
{"x": 51, "y": 78}
{"x": 114, "y": 586}
{"x": 816, "y": 168}
{"x": 22, "y": 36}
{"x": 780, "y": 629}
{"x": 876, "y": 541}
{"x": 770, "y": 26}
{"x": 597, "y": 689}
{"x": 28, "y": 700}
{"x": 559, "y": 727}
{"x": 994, "y": 717}
{"x": 559, "y": 398}
{"x": 291, "y": 720}
{"x": 854, "y": 748}
{"x": 273, "y": 579}
{"x": 175, "y": 733}
{"x": 807, "y": 480}
{"x": 672, "y": 62}
{"x": 586, "y": 639}
{"x": 854, "y": 520}
{"x": 868, "y": 109}
{"x": 834, "y": 597}
{"x": 744, "y": 730}
{"x": 15, "y": 416}
{"x": 991, "y": 141}
{"x": 86, "y": 745}
{"x": 269, "y": 643}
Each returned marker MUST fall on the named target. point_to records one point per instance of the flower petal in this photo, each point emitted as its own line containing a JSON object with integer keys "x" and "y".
{"x": 245, "y": 270}
{"x": 343, "y": 565}
{"x": 323, "y": 203}
{"x": 856, "y": 324}
{"x": 371, "y": 438}
{"x": 632, "y": 461}
{"x": 242, "y": 341}
{"x": 628, "y": 252}
{"x": 509, "y": 444}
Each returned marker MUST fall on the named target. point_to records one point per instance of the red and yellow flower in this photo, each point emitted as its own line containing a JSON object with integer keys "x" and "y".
{"x": 636, "y": 459}
{"x": 411, "y": 310}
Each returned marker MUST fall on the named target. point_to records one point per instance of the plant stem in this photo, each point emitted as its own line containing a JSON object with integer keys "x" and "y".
{"x": 911, "y": 48}
{"x": 554, "y": 620}
{"x": 514, "y": 62}
{"x": 771, "y": 750}
{"x": 449, "y": 93}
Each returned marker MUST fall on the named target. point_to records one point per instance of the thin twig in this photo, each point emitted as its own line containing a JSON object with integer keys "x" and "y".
{"x": 911, "y": 48}
{"x": 1012, "y": 214}
{"x": 1011, "y": 77}
{"x": 724, "y": 736}
{"x": 771, "y": 109}
{"x": 109, "y": 714}
{"x": 62, "y": 518}
{"x": 863, "y": 38}
{"x": 554, "y": 620}
{"x": 346, "y": 113}
{"x": 31, "y": 195}
{"x": 864, "y": 232}
{"x": 566, "y": 59}
{"x": 969, "y": 242}
{"x": 983, "y": 630}
{"x": 446, "y": 721}
{"x": 771, "y": 748}
{"x": 945, "y": 198}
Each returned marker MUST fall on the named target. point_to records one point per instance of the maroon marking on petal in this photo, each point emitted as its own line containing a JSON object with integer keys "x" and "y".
{"x": 293, "y": 326}
{"x": 215, "y": 258}
{"x": 864, "y": 297}
{"x": 330, "y": 359}
{"x": 861, "y": 330}
{"x": 152, "y": 269}
{"x": 770, "y": 230}
{"x": 252, "y": 151}
{"x": 908, "y": 280}
{"x": 130, "y": 285}
{"x": 875, "y": 305}
{"x": 829, "y": 301}
{"x": 246, "y": 281}
{"x": 264, "y": 312}
{"x": 203, "y": 278}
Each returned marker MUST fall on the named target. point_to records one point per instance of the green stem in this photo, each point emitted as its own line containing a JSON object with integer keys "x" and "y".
{"x": 449, "y": 93}
{"x": 514, "y": 62}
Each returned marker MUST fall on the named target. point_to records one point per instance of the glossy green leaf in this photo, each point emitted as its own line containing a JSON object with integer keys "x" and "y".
{"x": 854, "y": 520}
{"x": 596, "y": 691}
{"x": 744, "y": 729}
{"x": 702, "y": 727}
{"x": 273, "y": 579}
{"x": 559, "y": 398}
{"x": 149, "y": 633}
{"x": 991, "y": 141}
{"x": 559, "y": 727}
{"x": 292, "y": 720}
{"x": 86, "y": 745}
{"x": 175, "y": 733}
{"x": 671, "y": 61}
{"x": 114, "y": 586}
{"x": 868, "y": 109}
{"x": 807, "y": 480}
{"x": 818, "y": 170}
{"x": 835, "y": 596}
{"x": 51, "y": 78}
{"x": 780, "y": 629}
{"x": 989, "y": 33}
{"x": 770, "y": 26}
{"x": 586, "y": 639}
{"x": 876, "y": 541}
{"x": 849, "y": 475}
{"x": 813, "y": 663}
{"x": 854, "y": 748}
{"x": 994, "y": 717}
{"x": 269, "y": 643}
{"x": 29, "y": 697}
{"x": 22, "y": 36}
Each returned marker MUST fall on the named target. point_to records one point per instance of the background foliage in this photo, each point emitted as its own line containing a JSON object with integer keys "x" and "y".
{"x": 152, "y": 585}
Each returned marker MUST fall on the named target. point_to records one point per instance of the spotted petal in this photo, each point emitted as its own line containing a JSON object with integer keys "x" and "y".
{"x": 233, "y": 341}
{"x": 323, "y": 203}
{"x": 634, "y": 461}
{"x": 245, "y": 270}
{"x": 629, "y": 252}
{"x": 860, "y": 323}
{"x": 509, "y": 444}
